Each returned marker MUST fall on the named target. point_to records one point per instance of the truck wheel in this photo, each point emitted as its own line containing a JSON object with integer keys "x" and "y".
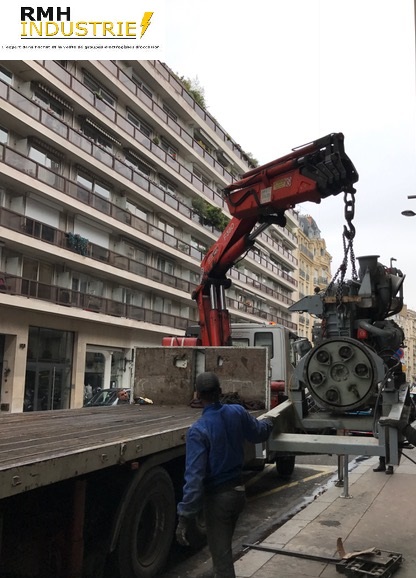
{"x": 148, "y": 527}
{"x": 285, "y": 466}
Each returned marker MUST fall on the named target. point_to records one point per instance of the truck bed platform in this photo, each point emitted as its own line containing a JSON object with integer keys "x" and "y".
{"x": 41, "y": 448}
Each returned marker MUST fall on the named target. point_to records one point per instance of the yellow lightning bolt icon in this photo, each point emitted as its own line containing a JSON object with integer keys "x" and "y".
{"x": 145, "y": 22}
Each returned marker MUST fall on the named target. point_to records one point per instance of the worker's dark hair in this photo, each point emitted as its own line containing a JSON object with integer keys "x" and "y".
{"x": 207, "y": 382}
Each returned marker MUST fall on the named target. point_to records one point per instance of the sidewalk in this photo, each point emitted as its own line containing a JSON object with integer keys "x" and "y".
{"x": 380, "y": 513}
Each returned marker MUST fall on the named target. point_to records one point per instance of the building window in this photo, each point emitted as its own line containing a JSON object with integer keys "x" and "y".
{"x": 4, "y": 135}
{"x": 139, "y": 82}
{"x": 88, "y": 285}
{"x": 203, "y": 141}
{"x": 168, "y": 148}
{"x": 99, "y": 91}
{"x": 63, "y": 63}
{"x": 199, "y": 245}
{"x": 92, "y": 184}
{"x": 194, "y": 277}
{"x": 96, "y": 136}
{"x": 137, "y": 253}
{"x": 139, "y": 123}
{"x": 158, "y": 304}
{"x": 48, "y": 369}
{"x": 134, "y": 298}
{"x": 137, "y": 211}
{"x": 170, "y": 113}
{"x": 167, "y": 186}
{"x": 45, "y": 158}
{"x": 166, "y": 227}
{"x": 40, "y": 230}
{"x": 5, "y": 75}
{"x": 165, "y": 266}
{"x": 47, "y": 101}
{"x": 139, "y": 165}
{"x": 201, "y": 175}
{"x": 162, "y": 305}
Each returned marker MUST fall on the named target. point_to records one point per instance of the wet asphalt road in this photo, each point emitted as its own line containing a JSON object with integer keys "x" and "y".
{"x": 271, "y": 501}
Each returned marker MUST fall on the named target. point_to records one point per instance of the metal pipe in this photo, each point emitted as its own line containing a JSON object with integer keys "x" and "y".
{"x": 291, "y": 553}
{"x": 375, "y": 330}
{"x": 345, "y": 493}
{"x": 340, "y": 481}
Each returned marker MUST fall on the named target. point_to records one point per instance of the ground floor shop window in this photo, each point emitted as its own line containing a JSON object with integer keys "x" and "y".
{"x": 48, "y": 369}
{"x": 106, "y": 369}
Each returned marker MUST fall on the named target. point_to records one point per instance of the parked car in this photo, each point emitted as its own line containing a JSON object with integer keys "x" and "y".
{"x": 108, "y": 397}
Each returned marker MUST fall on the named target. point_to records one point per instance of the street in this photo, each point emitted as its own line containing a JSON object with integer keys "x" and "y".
{"x": 271, "y": 501}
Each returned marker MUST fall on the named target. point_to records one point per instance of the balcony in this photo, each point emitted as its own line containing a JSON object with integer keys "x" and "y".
{"x": 110, "y": 161}
{"x": 81, "y": 91}
{"x": 14, "y": 285}
{"x": 167, "y": 74}
{"x": 238, "y": 307}
{"x": 85, "y": 196}
{"x": 204, "y": 115}
{"x": 132, "y": 135}
{"x": 261, "y": 260}
{"x": 75, "y": 243}
{"x": 248, "y": 281}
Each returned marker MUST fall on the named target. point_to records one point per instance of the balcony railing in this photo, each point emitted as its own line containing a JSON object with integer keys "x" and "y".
{"x": 26, "y": 166}
{"x": 122, "y": 123}
{"x": 29, "y": 167}
{"x": 15, "y": 285}
{"x": 77, "y": 138}
{"x": 260, "y": 313}
{"x": 74, "y": 84}
{"x": 269, "y": 265}
{"x": 36, "y": 229}
{"x": 31, "y": 227}
{"x": 66, "y": 77}
{"x": 244, "y": 279}
{"x": 203, "y": 114}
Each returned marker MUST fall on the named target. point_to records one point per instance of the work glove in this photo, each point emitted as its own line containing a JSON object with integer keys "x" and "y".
{"x": 267, "y": 419}
{"x": 181, "y": 531}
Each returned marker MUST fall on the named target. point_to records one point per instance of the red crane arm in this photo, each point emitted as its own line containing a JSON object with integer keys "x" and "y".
{"x": 309, "y": 173}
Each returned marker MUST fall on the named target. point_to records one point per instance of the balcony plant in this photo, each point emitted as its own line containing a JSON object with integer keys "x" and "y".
{"x": 77, "y": 243}
{"x": 210, "y": 215}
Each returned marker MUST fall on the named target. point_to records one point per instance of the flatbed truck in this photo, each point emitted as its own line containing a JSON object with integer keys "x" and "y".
{"x": 92, "y": 492}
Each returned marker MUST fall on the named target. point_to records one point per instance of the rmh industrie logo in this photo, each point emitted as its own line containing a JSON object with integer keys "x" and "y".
{"x": 84, "y": 30}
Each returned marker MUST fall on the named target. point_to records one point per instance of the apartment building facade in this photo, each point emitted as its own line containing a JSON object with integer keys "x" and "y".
{"x": 406, "y": 319}
{"x": 314, "y": 267}
{"x": 110, "y": 194}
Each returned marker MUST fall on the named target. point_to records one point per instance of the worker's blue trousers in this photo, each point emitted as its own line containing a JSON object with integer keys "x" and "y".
{"x": 221, "y": 512}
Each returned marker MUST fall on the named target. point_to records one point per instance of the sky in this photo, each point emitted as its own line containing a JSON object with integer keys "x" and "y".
{"x": 277, "y": 74}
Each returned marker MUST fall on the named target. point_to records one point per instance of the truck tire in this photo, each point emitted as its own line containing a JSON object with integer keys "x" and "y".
{"x": 285, "y": 466}
{"x": 148, "y": 527}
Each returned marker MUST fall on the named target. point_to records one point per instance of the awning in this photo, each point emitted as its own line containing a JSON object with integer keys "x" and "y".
{"x": 139, "y": 158}
{"x": 221, "y": 155}
{"x": 53, "y": 95}
{"x": 37, "y": 142}
{"x": 101, "y": 130}
{"x": 205, "y": 137}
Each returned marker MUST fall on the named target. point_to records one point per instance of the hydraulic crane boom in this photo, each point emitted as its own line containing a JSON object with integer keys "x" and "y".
{"x": 309, "y": 173}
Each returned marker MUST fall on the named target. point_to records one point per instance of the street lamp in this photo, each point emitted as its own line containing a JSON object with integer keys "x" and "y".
{"x": 409, "y": 213}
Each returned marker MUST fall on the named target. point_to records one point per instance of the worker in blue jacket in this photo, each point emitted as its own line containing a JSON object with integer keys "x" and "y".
{"x": 214, "y": 462}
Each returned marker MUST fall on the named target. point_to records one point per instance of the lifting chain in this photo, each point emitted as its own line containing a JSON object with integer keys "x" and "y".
{"x": 347, "y": 240}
